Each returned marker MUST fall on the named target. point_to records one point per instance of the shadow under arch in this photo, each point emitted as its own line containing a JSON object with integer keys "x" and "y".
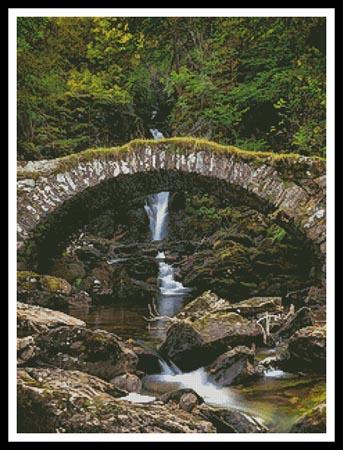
{"x": 49, "y": 237}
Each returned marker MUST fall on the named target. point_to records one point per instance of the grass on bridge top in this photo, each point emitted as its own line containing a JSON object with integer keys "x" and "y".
{"x": 191, "y": 143}
{"x": 171, "y": 144}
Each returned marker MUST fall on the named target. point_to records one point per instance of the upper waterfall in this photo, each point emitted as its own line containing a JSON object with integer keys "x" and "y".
{"x": 156, "y": 208}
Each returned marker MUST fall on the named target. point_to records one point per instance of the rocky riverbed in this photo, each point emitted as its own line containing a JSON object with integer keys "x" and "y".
{"x": 242, "y": 350}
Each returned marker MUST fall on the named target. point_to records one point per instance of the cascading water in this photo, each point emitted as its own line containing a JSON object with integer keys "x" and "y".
{"x": 156, "y": 208}
{"x": 169, "y": 303}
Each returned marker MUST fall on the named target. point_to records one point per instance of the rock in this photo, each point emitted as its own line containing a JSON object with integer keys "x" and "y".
{"x": 54, "y": 400}
{"x": 233, "y": 367}
{"x": 128, "y": 382}
{"x": 204, "y": 304}
{"x": 148, "y": 360}
{"x": 306, "y": 351}
{"x": 254, "y": 306}
{"x": 313, "y": 421}
{"x": 188, "y": 402}
{"x": 312, "y": 296}
{"x": 88, "y": 255}
{"x": 176, "y": 396}
{"x": 33, "y": 320}
{"x": 97, "y": 352}
{"x": 191, "y": 345}
{"x": 301, "y": 319}
{"x": 26, "y": 350}
{"x": 48, "y": 291}
{"x": 229, "y": 420}
{"x": 68, "y": 267}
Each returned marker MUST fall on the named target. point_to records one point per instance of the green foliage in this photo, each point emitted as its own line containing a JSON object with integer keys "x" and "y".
{"x": 257, "y": 83}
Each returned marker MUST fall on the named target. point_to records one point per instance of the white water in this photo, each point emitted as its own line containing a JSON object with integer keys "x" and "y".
{"x": 170, "y": 301}
{"x": 196, "y": 380}
{"x": 156, "y": 208}
{"x": 156, "y": 134}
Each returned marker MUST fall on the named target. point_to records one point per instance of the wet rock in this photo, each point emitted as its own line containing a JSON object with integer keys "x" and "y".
{"x": 235, "y": 366}
{"x": 228, "y": 420}
{"x": 53, "y": 400}
{"x": 182, "y": 342}
{"x": 148, "y": 360}
{"x": 128, "y": 382}
{"x": 181, "y": 394}
{"x": 33, "y": 320}
{"x": 192, "y": 344}
{"x": 26, "y": 350}
{"x": 301, "y": 319}
{"x": 313, "y": 421}
{"x": 306, "y": 351}
{"x": 97, "y": 352}
{"x": 188, "y": 402}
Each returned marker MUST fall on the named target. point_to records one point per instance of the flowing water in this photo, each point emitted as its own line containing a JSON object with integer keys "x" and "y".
{"x": 277, "y": 398}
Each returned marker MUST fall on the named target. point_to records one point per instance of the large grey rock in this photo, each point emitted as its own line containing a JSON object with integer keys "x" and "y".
{"x": 97, "y": 352}
{"x": 32, "y": 320}
{"x": 192, "y": 344}
{"x": 234, "y": 366}
{"x": 62, "y": 401}
{"x": 306, "y": 350}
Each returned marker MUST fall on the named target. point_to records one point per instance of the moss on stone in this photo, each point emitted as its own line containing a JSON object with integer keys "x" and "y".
{"x": 282, "y": 162}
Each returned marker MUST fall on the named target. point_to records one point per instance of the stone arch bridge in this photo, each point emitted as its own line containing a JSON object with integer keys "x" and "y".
{"x": 291, "y": 187}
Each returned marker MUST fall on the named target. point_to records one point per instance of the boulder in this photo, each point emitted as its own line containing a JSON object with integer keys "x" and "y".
{"x": 229, "y": 420}
{"x": 49, "y": 291}
{"x": 206, "y": 303}
{"x": 306, "y": 351}
{"x": 310, "y": 296}
{"x": 97, "y": 352}
{"x": 176, "y": 396}
{"x": 64, "y": 401}
{"x": 148, "y": 360}
{"x": 192, "y": 344}
{"x": 33, "y": 320}
{"x": 188, "y": 401}
{"x": 234, "y": 367}
{"x": 301, "y": 319}
{"x": 128, "y": 382}
{"x": 26, "y": 350}
{"x": 254, "y": 306}
{"x": 313, "y": 421}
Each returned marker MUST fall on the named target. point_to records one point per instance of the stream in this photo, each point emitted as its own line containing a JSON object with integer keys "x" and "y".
{"x": 277, "y": 398}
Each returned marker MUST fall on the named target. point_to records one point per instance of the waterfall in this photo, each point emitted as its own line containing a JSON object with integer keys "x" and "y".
{"x": 156, "y": 134}
{"x": 169, "y": 303}
{"x": 156, "y": 208}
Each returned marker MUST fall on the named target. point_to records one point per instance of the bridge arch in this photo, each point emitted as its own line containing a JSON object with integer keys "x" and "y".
{"x": 291, "y": 188}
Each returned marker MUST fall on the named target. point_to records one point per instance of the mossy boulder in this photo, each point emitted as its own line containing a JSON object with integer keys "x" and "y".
{"x": 97, "y": 352}
{"x": 48, "y": 291}
{"x": 197, "y": 341}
